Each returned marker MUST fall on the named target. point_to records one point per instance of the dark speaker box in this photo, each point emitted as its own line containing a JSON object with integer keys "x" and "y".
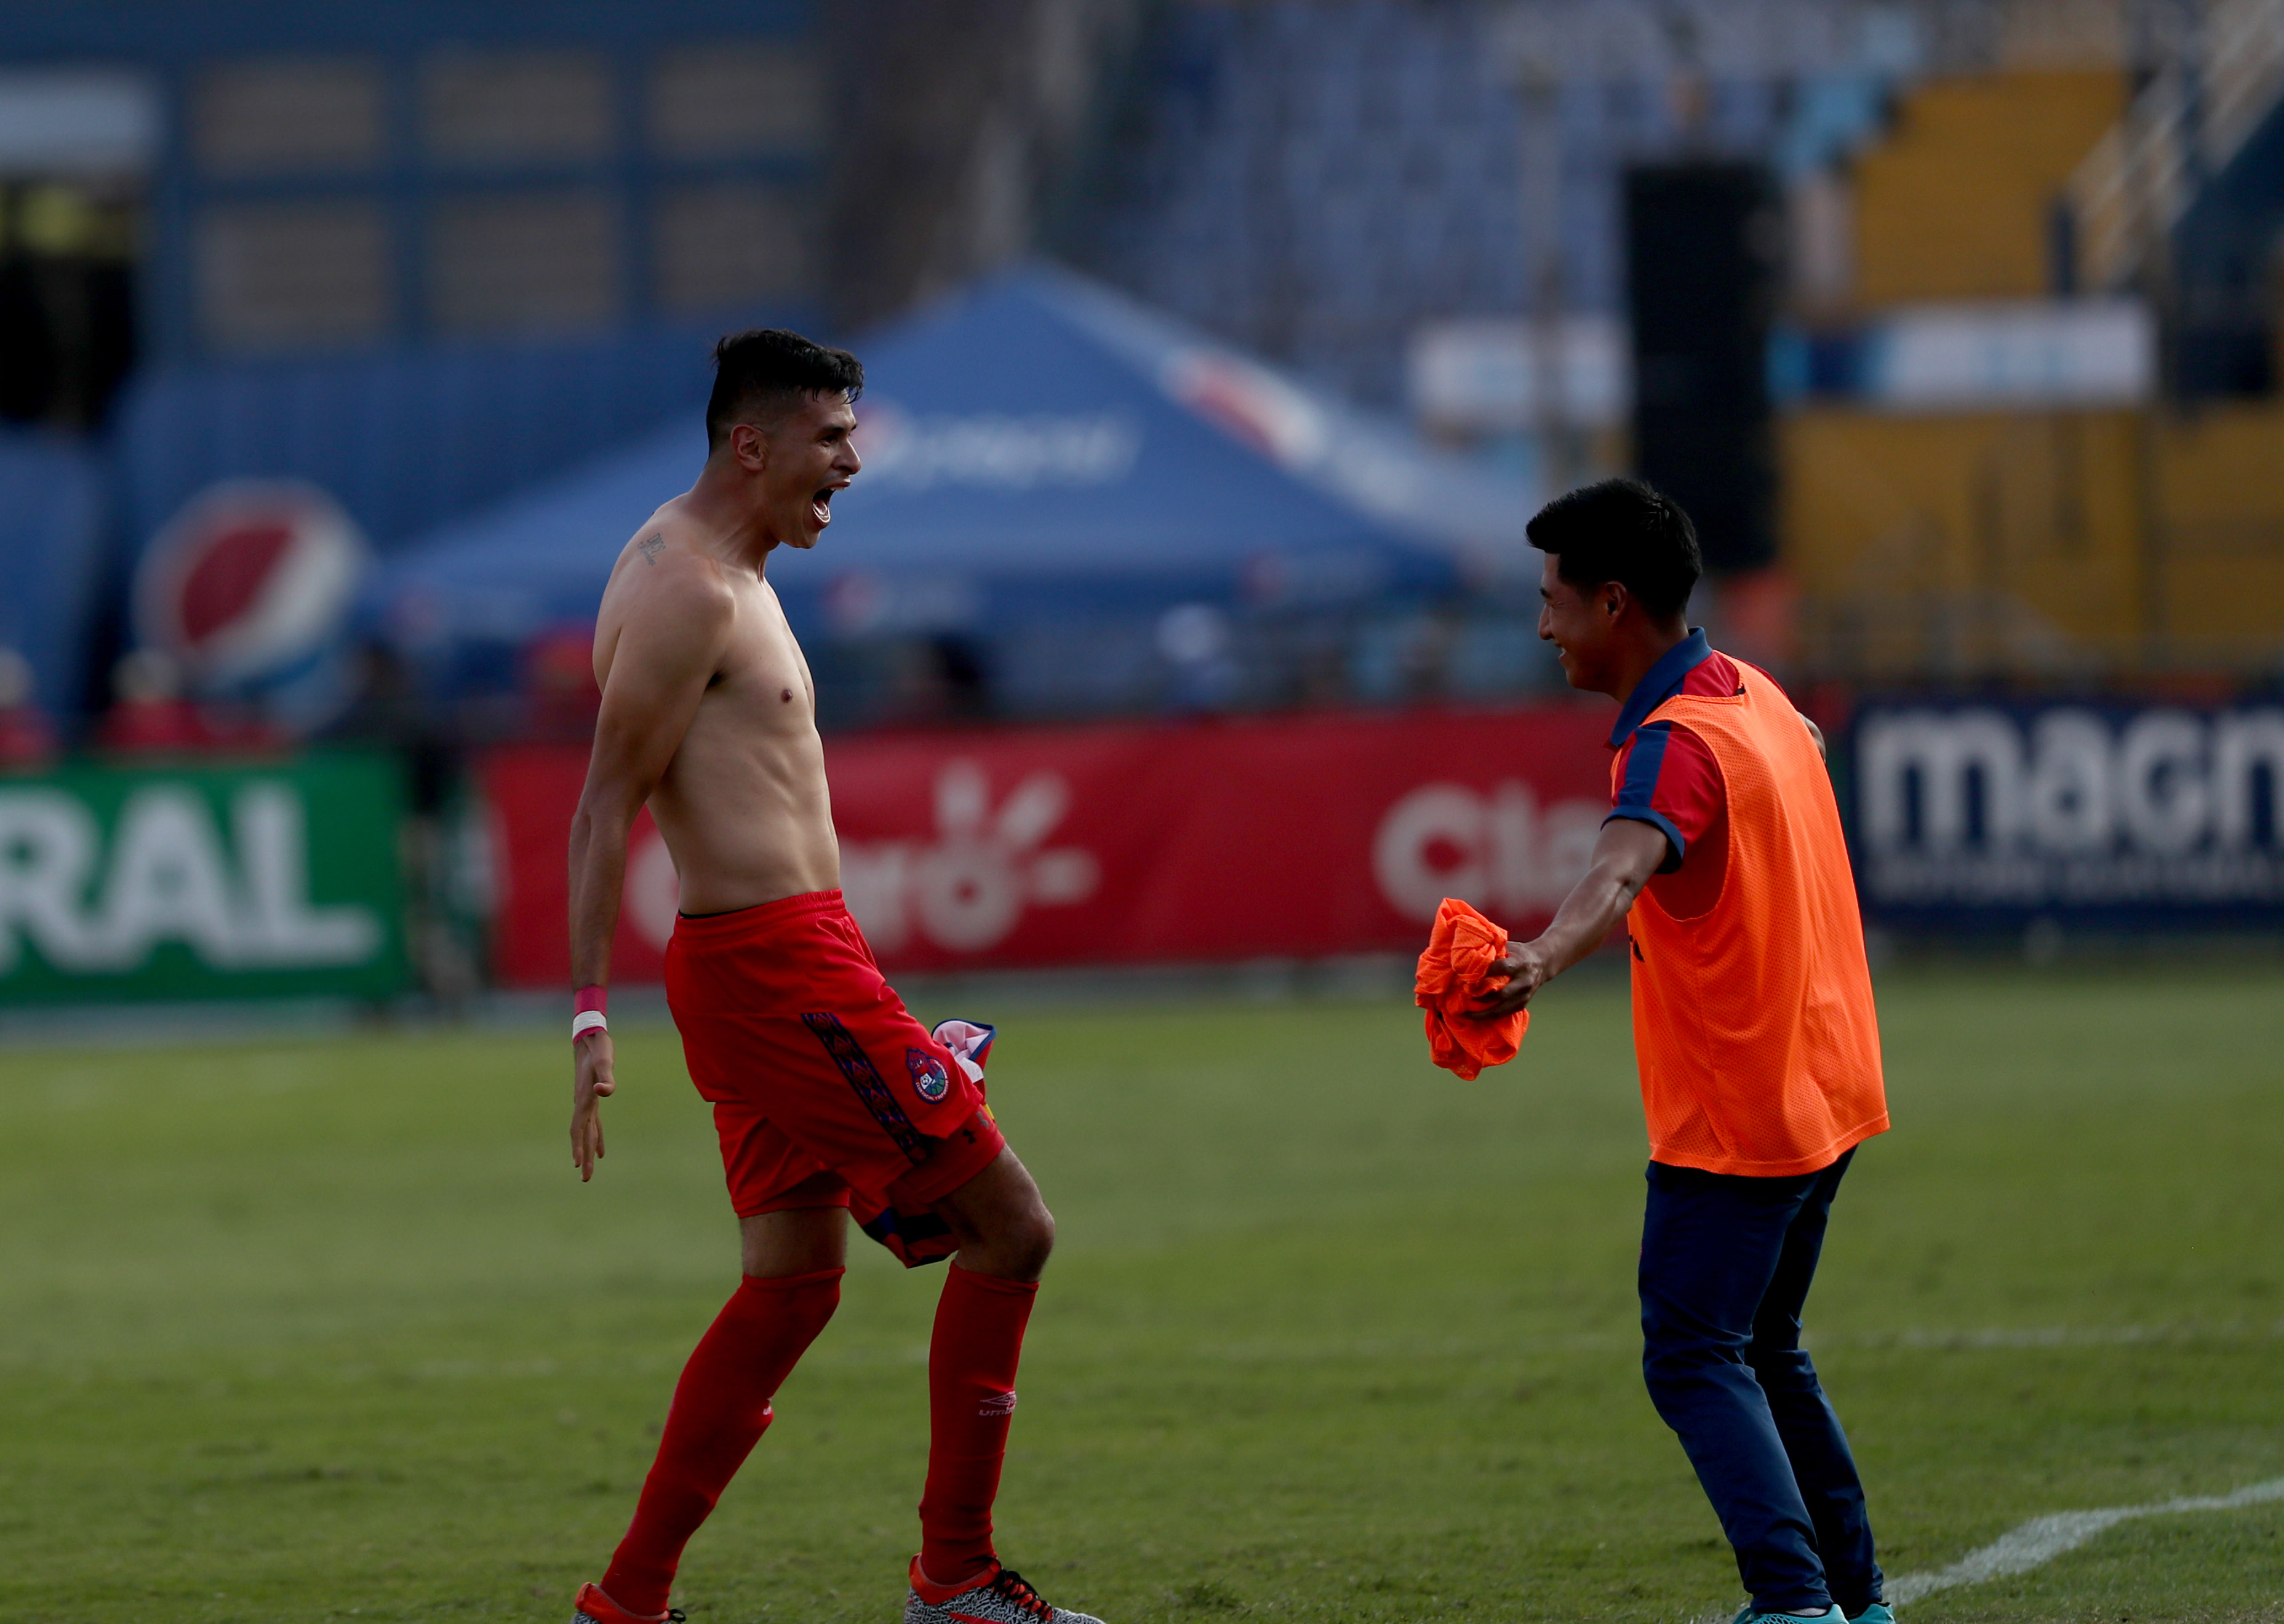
{"x": 1704, "y": 246}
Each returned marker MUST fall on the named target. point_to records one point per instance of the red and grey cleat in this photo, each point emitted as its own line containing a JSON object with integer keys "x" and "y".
{"x": 592, "y": 1606}
{"x": 999, "y": 1596}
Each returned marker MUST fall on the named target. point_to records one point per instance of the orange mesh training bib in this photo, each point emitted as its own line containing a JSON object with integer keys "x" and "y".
{"x": 1754, "y": 1026}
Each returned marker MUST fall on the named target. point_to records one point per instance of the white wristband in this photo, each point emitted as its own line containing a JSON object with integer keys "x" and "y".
{"x": 586, "y": 1021}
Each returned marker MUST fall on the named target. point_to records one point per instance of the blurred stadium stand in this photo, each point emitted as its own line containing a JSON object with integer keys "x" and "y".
{"x": 53, "y": 558}
{"x": 408, "y": 438}
{"x": 964, "y": 133}
{"x": 330, "y": 176}
{"x": 2015, "y": 269}
{"x": 420, "y": 255}
{"x": 2057, "y": 542}
{"x": 1316, "y": 180}
{"x": 428, "y": 256}
{"x": 1343, "y": 185}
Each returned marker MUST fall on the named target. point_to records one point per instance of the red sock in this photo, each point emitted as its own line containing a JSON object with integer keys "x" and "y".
{"x": 972, "y": 1358}
{"x": 721, "y": 1409}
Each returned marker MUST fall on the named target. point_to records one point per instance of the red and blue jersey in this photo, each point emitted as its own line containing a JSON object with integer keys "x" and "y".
{"x": 1666, "y": 775}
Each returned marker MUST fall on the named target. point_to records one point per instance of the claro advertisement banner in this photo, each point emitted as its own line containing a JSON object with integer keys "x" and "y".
{"x": 2112, "y": 815}
{"x": 244, "y": 882}
{"x": 1203, "y": 842}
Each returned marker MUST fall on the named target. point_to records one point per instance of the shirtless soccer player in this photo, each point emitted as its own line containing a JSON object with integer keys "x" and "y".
{"x": 827, "y": 1093}
{"x": 1753, "y": 1031}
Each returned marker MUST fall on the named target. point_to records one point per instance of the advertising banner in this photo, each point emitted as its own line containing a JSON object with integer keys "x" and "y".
{"x": 1970, "y": 814}
{"x": 249, "y": 880}
{"x": 1178, "y": 842}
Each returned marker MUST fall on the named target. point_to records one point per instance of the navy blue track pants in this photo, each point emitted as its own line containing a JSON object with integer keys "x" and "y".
{"x": 1726, "y": 1266}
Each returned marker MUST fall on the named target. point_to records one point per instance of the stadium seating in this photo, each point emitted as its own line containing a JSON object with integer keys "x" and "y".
{"x": 1973, "y": 545}
{"x": 1317, "y": 180}
{"x": 1955, "y": 202}
{"x": 2220, "y": 590}
{"x": 1960, "y": 545}
{"x": 404, "y": 439}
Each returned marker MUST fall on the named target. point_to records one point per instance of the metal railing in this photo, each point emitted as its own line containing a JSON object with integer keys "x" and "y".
{"x": 2192, "y": 117}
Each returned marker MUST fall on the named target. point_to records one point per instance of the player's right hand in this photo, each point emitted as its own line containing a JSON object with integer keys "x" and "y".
{"x": 1526, "y": 971}
{"x": 591, "y": 1083}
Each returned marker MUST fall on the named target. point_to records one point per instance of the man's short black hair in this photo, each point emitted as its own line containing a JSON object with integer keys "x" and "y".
{"x": 1624, "y": 531}
{"x": 766, "y": 370}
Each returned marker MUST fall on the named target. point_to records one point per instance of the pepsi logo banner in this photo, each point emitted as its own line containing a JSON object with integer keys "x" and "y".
{"x": 1977, "y": 813}
{"x": 1185, "y": 842}
{"x": 249, "y": 577}
{"x": 245, "y": 590}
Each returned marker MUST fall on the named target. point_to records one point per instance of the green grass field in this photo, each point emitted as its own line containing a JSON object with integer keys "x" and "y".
{"x": 326, "y": 1329}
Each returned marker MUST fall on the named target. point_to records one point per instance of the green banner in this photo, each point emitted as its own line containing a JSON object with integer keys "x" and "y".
{"x": 247, "y": 880}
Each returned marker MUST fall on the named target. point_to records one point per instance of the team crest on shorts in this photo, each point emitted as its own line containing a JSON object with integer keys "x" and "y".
{"x": 930, "y": 1080}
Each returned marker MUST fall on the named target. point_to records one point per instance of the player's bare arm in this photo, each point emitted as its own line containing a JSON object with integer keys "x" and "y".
{"x": 1627, "y": 854}
{"x": 670, "y": 617}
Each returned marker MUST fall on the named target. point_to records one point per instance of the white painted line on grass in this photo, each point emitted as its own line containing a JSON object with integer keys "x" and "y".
{"x": 2042, "y": 1539}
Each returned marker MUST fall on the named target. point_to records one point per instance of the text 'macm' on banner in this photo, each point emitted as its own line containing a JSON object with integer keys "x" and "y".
{"x": 2108, "y": 813}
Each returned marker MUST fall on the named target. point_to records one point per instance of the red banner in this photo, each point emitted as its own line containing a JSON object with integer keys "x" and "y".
{"x": 1174, "y": 842}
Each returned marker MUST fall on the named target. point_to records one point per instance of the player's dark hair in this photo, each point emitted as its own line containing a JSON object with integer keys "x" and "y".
{"x": 767, "y": 370}
{"x": 1624, "y": 531}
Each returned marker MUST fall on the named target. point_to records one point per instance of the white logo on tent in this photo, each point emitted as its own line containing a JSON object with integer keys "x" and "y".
{"x": 998, "y": 450}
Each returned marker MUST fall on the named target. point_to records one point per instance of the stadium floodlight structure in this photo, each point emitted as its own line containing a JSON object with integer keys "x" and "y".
{"x": 1536, "y": 78}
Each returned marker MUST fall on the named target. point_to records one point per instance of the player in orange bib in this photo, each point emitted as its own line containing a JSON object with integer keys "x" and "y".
{"x": 1753, "y": 1031}
{"x": 827, "y": 1093}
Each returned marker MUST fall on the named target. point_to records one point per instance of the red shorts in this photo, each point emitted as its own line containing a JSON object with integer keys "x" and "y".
{"x": 823, "y": 1084}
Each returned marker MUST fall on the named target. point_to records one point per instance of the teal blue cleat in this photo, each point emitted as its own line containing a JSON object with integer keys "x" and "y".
{"x": 1750, "y": 1614}
{"x": 1876, "y": 1613}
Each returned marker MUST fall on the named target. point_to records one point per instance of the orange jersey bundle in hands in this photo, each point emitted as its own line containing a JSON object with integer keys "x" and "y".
{"x": 1453, "y": 976}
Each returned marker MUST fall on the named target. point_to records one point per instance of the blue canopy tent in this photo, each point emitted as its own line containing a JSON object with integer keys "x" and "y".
{"x": 1039, "y": 452}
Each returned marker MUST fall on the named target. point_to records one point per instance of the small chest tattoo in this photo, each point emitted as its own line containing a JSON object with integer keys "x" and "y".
{"x": 650, "y": 546}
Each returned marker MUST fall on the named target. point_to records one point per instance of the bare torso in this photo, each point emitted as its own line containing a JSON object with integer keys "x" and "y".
{"x": 742, "y": 804}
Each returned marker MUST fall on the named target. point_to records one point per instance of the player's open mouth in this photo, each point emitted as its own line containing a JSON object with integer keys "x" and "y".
{"x": 820, "y": 505}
